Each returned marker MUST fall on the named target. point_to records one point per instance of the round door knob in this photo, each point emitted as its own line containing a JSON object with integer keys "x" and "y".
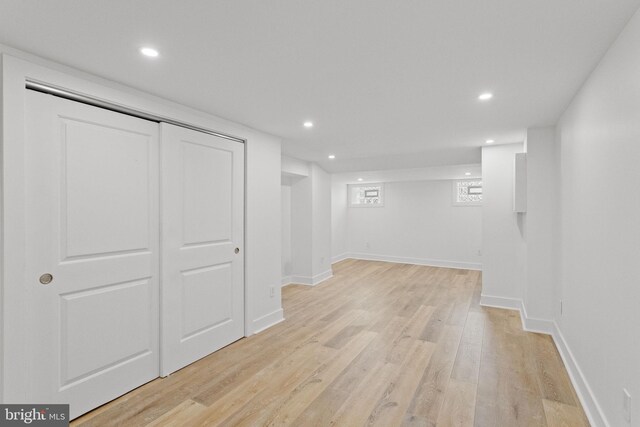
{"x": 46, "y": 278}
{"x": 236, "y": 250}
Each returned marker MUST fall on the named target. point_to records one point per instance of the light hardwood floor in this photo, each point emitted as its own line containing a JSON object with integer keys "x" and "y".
{"x": 378, "y": 344}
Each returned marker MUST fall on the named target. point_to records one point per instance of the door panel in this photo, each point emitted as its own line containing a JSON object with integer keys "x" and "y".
{"x": 202, "y": 224}
{"x": 83, "y": 351}
{"x": 89, "y": 162}
{"x": 207, "y": 194}
{"x": 92, "y": 223}
{"x": 207, "y": 298}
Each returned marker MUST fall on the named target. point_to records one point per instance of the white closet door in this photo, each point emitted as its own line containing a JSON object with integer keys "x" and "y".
{"x": 92, "y": 252}
{"x": 202, "y": 245}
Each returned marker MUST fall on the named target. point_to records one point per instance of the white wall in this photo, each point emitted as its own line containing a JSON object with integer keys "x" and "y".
{"x": 301, "y": 229}
{"x": 263, "y": 221}
{"x": 431, "y": 173}
{"x": 294, "y": 167}
{"x": 541, "y": 221}
{"x": 321, "y": 223}
{"x": 433, "y": 184}
{"x": 417, "y": 224}
{"x": 310, "y": 224}
{"x": 599, "y": 136}
{"x": 286, "y": 231}
{"x": 503, "y": 244}
{"x": 339, "y": 249}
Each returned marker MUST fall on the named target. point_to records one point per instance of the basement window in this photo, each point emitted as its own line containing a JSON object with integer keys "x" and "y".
{"x": 467, "y": 192}
{"x": 366, "y": 195}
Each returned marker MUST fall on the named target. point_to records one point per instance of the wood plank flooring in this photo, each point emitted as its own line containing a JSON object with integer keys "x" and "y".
{"x": 379, "y": 344}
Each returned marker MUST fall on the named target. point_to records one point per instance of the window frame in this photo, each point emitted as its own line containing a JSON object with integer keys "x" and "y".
{"x": 454, "y": 192}
{"x": 381, "y": 196}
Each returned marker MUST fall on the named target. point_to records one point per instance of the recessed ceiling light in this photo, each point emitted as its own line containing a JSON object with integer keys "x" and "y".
{"x": 308, "y": 124}
{"x": 467, "y": 173}
{"x": 489, "y": 141}
{"x": 332, "y": 156}
{"x": 149, "y": 51}
{"x": 485, "y": 96}
{"x": 359, "y": 179}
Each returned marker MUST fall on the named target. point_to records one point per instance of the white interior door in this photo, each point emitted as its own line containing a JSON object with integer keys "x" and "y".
{"x": 202, "y": 245}
{"x": 92, "y": 224}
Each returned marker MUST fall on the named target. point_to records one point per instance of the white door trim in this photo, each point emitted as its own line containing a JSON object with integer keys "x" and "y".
{"x": 15, "y": 73}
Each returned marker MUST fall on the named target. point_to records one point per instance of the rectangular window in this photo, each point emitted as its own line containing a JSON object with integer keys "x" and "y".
{"x": 366, "y": 195}
{"x": 467, "y": 192}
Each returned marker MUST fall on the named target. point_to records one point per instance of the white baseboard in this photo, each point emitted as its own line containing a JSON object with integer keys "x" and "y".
{"x": 317, "y": 279}
{"x": 532, "y": 324}
{"x": 340, "y": 257}
{"x": 500, "y": 302}
{"x": 590, "y": 404}
{"x": 312, "y": 281}
{"x": 285, "y": 280}
{"x": 417, "y": 261}
{"x": 549, "y": 327}
{"x": 301, "y": 280}
{"x": 267, "y": 321}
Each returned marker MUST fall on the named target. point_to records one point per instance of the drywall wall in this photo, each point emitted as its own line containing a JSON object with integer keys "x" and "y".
{"x": 503, "y": 231}
{"x": 339, "y": 249}
{"x": 340, "y": 210}
{"x": 419, "y": 224}
{"x": 321, "y": 223}
{"x": 541, "y": 221}
{"x": 599, "y": 136}
{"x": 293, "y": 167}
{"x": 521, "y": 257}
{"x": 286, "y": 231}
{"x": 263, "y": 220}
{"x": 415, "y": 174}
{"x": 301, "y": 230}
{"x": 310, "y": 223}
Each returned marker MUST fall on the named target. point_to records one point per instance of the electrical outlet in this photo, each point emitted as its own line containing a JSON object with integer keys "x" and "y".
{"x": 626, "y": 405}
{"x": 272, "y": 291}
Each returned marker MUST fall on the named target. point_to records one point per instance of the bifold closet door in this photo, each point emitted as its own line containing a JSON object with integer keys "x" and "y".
{"x": 202, "y": 245}
{"x": 92, "y": 259}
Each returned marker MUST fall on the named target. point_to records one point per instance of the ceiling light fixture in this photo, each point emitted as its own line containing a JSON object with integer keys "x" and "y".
{"x": 360, "y": 179}
{"x": 308, "y": 124}
{"x": 150, "y": 52}
{"x": 332, "y": 156}
{"x": 467, "y": 173}
{"x": 489, "y": 141}
{"x": 485, "y": 96}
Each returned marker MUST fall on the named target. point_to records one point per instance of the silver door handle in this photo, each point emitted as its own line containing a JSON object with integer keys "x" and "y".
{"x": 236, "y": 250}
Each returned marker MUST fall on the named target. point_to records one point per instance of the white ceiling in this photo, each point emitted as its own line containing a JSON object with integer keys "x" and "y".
{"x": 388, "y": 84}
